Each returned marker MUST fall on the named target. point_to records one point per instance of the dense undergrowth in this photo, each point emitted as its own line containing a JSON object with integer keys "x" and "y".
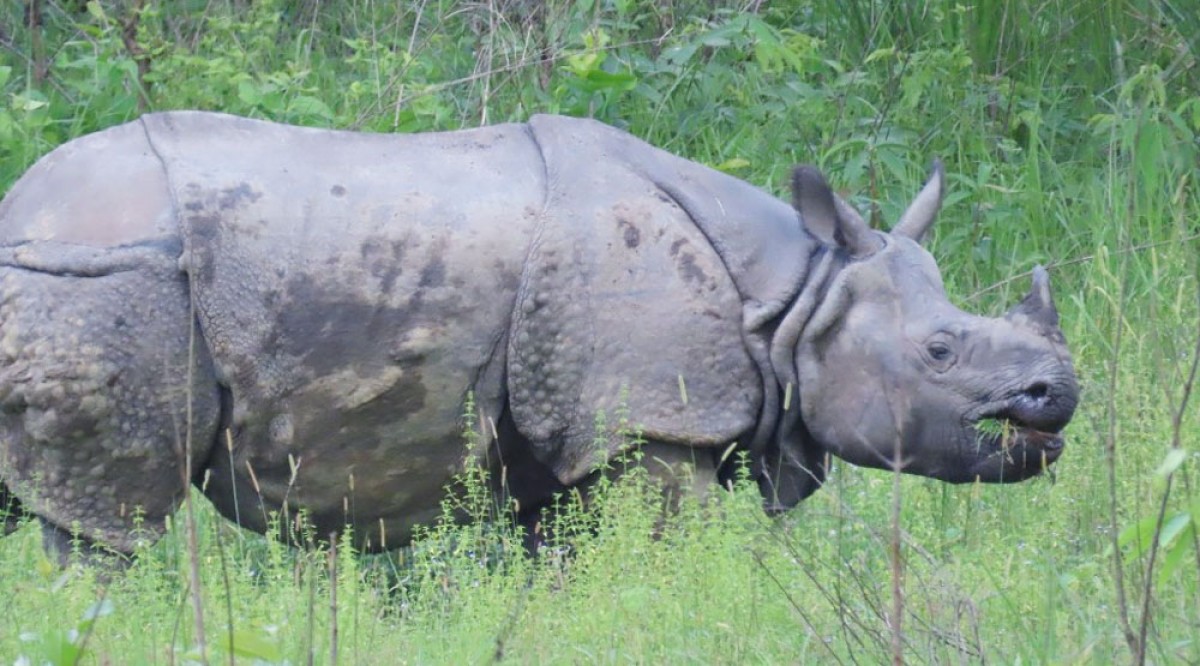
{"x": 1069, "y": 133}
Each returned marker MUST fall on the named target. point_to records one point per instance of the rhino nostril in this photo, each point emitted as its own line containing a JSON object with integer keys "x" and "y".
{"x": 1037, "y": 391}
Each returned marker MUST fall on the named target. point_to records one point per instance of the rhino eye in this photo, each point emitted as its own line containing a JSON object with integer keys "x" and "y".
{"x": 939, "y": 353}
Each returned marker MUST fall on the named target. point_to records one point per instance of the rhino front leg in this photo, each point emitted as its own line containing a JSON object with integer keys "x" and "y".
{"x": 680, "y": 471}
{"x": 100, "y": 379}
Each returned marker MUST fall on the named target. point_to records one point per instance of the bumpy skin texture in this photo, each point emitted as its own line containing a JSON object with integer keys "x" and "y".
{"x": 349, "y": 291}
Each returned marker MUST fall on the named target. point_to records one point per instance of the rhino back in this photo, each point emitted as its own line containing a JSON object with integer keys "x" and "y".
{"x": 352, "y": 288}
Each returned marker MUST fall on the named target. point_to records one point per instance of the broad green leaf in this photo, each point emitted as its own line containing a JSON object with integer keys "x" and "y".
{"x": 733, "y": 164}
{"x": 1176, "y": 551}
{"x": 99, "y": 609}
{"x": 880, "y": 54}
{"x": 598, "y": 80}
{"x": 1138, "y": 535}
{"x": 680, "y": 54}
{"x": 96, "y": 10}
{"x": 306, "y": 105}
{"x": 96, "y": 611}
{"x": 255, "y": 644}
{"x": 1171, "y": 462}
{"x": 248, "y": 93}
{"x": 32, "y": 100}
{"x": 1173, "y": 527}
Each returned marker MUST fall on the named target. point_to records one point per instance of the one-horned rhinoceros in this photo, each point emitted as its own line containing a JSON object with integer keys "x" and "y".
{"x": 306, "y": 312}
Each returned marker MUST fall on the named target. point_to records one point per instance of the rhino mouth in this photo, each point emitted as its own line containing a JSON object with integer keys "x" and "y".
{"x": 1010, "y": 449}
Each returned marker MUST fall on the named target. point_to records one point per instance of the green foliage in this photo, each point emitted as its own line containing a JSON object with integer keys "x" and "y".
{"x": 1069, "y": 131}
{"x": 63, "y": 646}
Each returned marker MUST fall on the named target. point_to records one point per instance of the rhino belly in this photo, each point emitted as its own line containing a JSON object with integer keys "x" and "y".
{"x": 353, "y": 289}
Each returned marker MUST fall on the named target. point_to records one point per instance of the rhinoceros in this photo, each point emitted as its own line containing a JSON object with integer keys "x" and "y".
{"x": 297, "y": 318}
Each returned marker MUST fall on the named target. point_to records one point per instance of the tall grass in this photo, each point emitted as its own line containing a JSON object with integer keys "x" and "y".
{"x": 1069, "y": 129}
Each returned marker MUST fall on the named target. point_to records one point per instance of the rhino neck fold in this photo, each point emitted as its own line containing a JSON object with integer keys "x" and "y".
{"x": 825, "y": 265}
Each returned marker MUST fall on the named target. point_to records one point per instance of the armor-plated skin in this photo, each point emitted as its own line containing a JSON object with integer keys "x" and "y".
{"x": 334, "y": 298}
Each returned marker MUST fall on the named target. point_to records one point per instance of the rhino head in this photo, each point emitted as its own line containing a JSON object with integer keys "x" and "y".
{"x": 891, "y": 375}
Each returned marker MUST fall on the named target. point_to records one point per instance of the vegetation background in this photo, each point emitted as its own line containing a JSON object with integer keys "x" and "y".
{"x": 1069, "y": 133}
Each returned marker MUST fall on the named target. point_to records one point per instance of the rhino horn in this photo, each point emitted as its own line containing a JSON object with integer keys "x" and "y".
{"x": 1037, "y": 307}
{"x": 828, "y": 217}
{"x": 924, "y": 208}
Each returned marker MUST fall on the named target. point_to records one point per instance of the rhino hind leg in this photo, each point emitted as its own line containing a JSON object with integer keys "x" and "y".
{"x": 96, "y": 375}
{"x": 11, "y": 511}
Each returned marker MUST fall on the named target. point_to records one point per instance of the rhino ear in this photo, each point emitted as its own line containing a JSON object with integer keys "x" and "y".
{"x": 924, "y": 208}
{"x": 828, "y": 217}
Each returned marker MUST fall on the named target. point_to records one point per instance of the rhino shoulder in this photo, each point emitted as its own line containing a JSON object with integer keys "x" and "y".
{"x": 758, "y": 237}
{"x": 625, "y": 305}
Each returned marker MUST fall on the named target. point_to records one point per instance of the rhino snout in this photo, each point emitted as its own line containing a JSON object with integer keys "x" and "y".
{"x": 1045, "y": 404}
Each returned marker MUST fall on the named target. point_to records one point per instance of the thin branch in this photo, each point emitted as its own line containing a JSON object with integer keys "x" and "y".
{"x": 1176, "y": 444}
{"x": 1110, "y": 451}
{"x": 792, "y": 601}
{"x": 895, "y": 550}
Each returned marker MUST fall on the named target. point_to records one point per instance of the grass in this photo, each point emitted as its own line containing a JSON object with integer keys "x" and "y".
{"x": 1069, "y": 131}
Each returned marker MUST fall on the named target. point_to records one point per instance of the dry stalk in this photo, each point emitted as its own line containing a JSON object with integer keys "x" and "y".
{"x": 847, "y": 619}
{"x": 228, "y": 594}
{"x": 333, "y": 600}
{"x": 1110, "y": 445}
{"x": 795, "y": 606}
{"x": 189, "y": 506}
{"x": 40, "y": 65}
{"x": 896, "y": 562}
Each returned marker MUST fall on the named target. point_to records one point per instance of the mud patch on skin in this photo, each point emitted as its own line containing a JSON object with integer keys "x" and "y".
{"x": 690, "y": 271}
{"x": 399, "y": 389}
{"x": 631, "y": 235}
{"x": 434, "y": 273}
{"x": 327, "y": 330}
{"x": 384, "y": 260}
{"x": 685, "y": 264}
{"x": 238, "y": 196}
{"x": 209, "y": 215}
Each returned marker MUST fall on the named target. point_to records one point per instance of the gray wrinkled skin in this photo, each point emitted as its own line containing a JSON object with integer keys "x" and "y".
{"x": 306, "y": 311}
